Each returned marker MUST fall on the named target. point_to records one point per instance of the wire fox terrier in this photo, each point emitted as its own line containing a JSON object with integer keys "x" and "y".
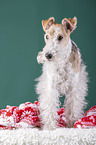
{"x": 64, "y": 73}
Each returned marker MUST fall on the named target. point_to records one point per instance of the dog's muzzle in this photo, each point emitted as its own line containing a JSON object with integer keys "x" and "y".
{"x": 48, "y": 56}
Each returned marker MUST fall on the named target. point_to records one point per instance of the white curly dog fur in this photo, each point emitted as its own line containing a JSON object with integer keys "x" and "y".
{"x": 64, "y": 73}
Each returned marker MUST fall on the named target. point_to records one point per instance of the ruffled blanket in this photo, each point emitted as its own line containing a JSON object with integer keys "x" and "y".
{"x": 28, "y": 115}
{"x": 89, "y": 119}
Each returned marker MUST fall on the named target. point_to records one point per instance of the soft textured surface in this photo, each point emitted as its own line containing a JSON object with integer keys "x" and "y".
{"x": 60, "y": 136}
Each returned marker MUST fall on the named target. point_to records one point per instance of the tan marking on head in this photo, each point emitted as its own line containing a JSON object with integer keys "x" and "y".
{"x": 74, "y": 59}
{"x": 62, "y": 28}
{"x": 65, "y": 29}
{"x": 51, "y": 30}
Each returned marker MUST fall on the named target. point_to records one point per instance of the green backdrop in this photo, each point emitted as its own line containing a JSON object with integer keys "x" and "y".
{"x": 21, "y": 37}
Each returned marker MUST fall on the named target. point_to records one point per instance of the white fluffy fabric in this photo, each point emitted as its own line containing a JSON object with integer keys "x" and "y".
{"x": 60, "y": 136}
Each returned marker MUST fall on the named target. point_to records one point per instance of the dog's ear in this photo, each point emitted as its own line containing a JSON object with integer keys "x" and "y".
{"x": 47, "y": 23}
{"x": 69, "y": 24}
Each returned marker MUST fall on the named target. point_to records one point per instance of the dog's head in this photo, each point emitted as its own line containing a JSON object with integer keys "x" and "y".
{"x": 56, "y": 36}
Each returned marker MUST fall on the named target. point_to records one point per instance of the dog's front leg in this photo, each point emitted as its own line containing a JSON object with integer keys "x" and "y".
{"x": 72, "y": 107}
{"x": 49, "y": 98}
{"x": 75, "y": 102}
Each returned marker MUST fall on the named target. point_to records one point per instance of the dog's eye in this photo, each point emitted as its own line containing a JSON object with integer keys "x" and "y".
{"x": 60, "y": 38}
{"x": 47, "y": 37}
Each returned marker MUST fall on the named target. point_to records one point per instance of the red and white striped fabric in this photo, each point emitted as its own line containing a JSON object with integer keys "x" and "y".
{"x": 26, "y": 115}
{"x": 89, "y": 119}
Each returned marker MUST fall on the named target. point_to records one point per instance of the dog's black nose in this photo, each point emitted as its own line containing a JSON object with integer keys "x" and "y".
{"x": 48, "y": 56}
